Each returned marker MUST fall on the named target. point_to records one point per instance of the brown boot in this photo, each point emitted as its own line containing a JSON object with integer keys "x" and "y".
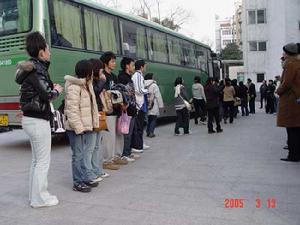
{"x": 110, "y": 166}
{"x": 120, "y": 161}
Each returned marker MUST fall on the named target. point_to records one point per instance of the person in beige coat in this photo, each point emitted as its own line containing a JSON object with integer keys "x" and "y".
{"x": 81, "y": 117}
{"x": 289, "y": 91}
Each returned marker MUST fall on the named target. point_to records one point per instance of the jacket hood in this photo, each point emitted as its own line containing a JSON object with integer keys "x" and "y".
{"x": 149, "y": 82}
{"x": 23, "y": 69}
{"x": 75, "y": 80}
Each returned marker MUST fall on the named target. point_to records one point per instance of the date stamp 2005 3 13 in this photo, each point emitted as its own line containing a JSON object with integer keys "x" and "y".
{"x": 239, "y": 203}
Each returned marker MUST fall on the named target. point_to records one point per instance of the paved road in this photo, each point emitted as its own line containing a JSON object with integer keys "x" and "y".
{"x": 180, "y": 181}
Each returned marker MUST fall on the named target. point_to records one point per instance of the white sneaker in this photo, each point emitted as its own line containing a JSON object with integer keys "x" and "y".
{"x": 145, "y": 147}
{"x": 137, "y": 150}
{"x": 135, "y": 156}
{"x": 53, "y": 201}
{"x": 128, "y": 159}
{"x": 104, "y": 175}
{"x": 97, "y": 179}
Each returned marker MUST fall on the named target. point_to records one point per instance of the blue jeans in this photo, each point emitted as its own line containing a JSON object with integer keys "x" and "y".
{"x": 97, "y": 157}
{"x": 83, "y": 146}
{"x": 151, "y": 124}
{"x": 127, "y": 139}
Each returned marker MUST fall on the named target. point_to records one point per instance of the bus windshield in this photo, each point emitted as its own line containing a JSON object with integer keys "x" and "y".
{"x": 15, "y": 16}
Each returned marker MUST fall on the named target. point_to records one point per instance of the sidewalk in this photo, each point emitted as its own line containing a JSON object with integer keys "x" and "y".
{"x": 180, "y": 181}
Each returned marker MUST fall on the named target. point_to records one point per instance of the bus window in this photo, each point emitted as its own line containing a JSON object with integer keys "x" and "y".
{"x": 67, "y": 18}
{"x": 158, "y": 46}
{"x": 201, "y": 58}
{"x": 133, "y": 40}
{"x": 15, "y": 16}
{"x": 101, "y": 31}
{"x": 174, "y": 50}
{"x": 188, "y": 54}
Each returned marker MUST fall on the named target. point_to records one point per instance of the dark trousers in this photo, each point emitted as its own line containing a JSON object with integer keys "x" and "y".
{"x": 139, "y": 123}
{"x": 252, "y": 105}
{"x": 244, "y": 107}
{"x": 151, "y": 124}
{"x": 127, "y": 138}
{"x": 200, "y": 110}
{"x": 213, "y": 114}
{"x": 228, "y": 110}
{"x": 182, "y": 120}
{"x": 263, "y": 99}
{"x": 270, "y": 106}
{"x": 294, "y": 142}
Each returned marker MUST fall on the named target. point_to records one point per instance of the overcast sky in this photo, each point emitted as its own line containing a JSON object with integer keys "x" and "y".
{"x": 202, "y": 23}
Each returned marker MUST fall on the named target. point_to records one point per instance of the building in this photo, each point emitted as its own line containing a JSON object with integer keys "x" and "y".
{"x": 224, "y": 33}
{"x": 267, "y": 26}
{"x": 237, "y": 23}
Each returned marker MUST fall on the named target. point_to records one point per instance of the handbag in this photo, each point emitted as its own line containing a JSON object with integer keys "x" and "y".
{"x": 106, "y": 101}
{"x": 237, "y": 101}
{"x": 57, "y": 121}
{"x": 186, "y": 103}
{"x": 116, "y": 97}
{"x": 123, "y": 123}
{"x": 102, "y": 122}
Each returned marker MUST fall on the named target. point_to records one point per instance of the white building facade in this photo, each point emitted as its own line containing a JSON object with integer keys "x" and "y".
{"x": 224, "y": 33}
{"x": 267, "y": 25}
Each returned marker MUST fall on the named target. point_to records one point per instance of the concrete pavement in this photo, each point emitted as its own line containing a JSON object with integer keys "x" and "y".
{"x": 180, "y": 181}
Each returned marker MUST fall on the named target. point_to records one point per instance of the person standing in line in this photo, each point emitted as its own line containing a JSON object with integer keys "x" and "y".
{"x": 263, "y": 94}
{"x": 37, "y": 90}
{"x": 81, "y": 118}
{"x": 124, "y": 77}
{"x": 199, "y": 100}
{"x": 112, "y": 142}
{"x": 276, "y": 100}
{"x": 252, "y": 95}
{"x": 212, "y": 93}
{"x": 140, "y": 95}
{"x": 155, "y": 101}
{"x": 228, "y": 101}
{"x": 244, "y": 99}
{"x": 288, "y": 115}
{"x": 182, "y": 112}
{"x": 99, "y": 80}
{"x": 237, "y": 94}
{"x": 270, "y": 107}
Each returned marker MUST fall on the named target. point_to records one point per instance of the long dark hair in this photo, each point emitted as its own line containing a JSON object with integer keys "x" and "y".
{"x": 97, "y": 65}
{"x": 84, "y": 69}
{"x": 178, "y": 81}
{"x": 208, "y": 83}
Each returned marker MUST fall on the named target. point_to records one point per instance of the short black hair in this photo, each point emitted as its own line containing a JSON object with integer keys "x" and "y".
{"x": 97, "y": 64}
{"x": 107, "y": 56}
{"x": 227, "y": 82}
{"x": 241, "y": 83}
{"x": 234, "y": 82}
{"x": 126, "y": 61}
{"x": 197, "y": 79}
{"x": 178, "y": 81}
{"x": 34, "y": 43}
{"x": 249, "y": 80}
{"x": 84, "y": 69}
{"x": 149, "y": 76}
{"x": 139, "y": 64}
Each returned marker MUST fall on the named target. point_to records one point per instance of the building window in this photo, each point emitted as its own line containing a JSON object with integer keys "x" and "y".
{"x": 226, "y": 42}
{"x": 253, "y": 46}
{"x": 262, "y": 46}
{"x": 251, "y": 17}
{"x": 226, "y": 32}
{"x": 261, "y": 16}
{"x": 257, "y": 16}
{"x": 257, "y": 46}
{"x": 260, "y": 77}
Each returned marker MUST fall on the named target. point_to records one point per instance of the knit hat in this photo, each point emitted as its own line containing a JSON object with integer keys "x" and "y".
{"x": 291, "y": 49}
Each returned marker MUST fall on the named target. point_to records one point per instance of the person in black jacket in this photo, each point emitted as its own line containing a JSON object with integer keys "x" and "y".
{"x": 252, "y": 95}
{"x": 124, "y": 77}
{"x": 263, "y": 93}
{"x": 237, "y": 94}
{"x": 212, "y": 93}
{"x": 243, "y": 95}
{"x": 270, "y": 93}
{"x": 37, "y": 90}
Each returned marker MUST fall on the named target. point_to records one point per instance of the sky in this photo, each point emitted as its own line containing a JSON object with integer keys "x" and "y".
{"x": 201, "y": 25}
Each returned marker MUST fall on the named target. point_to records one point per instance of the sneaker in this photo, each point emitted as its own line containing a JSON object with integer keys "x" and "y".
{"x": 151, "y": 135}
{"x": 110, "y": 166}
{"x": 211, "y": 131}
{"x": 137, "y": 150}
{"x": 219, "y": 130}
{"x": 145, "y": 147}
{"x": 82, "y": 187}
{"x": 128, "y": 159}
{"x": 104, "y": 175}
{"x": 203, "y": 122}
{"x": 120, "y": 161}
{"x": 97, "y": 179}
{"x": 52, "y": 201}
{"x": 188, "y": 133}
{"x": 91, "y": 184}
{"x": 134, "y": 156}
{"x": 178, "y": 134}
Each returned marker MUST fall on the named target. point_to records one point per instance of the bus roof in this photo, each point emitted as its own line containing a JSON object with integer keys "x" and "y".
{"x": 139, "y": 20}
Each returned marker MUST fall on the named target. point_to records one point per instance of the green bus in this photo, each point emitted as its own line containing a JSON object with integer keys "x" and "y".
{"x": 82, "y": 29}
